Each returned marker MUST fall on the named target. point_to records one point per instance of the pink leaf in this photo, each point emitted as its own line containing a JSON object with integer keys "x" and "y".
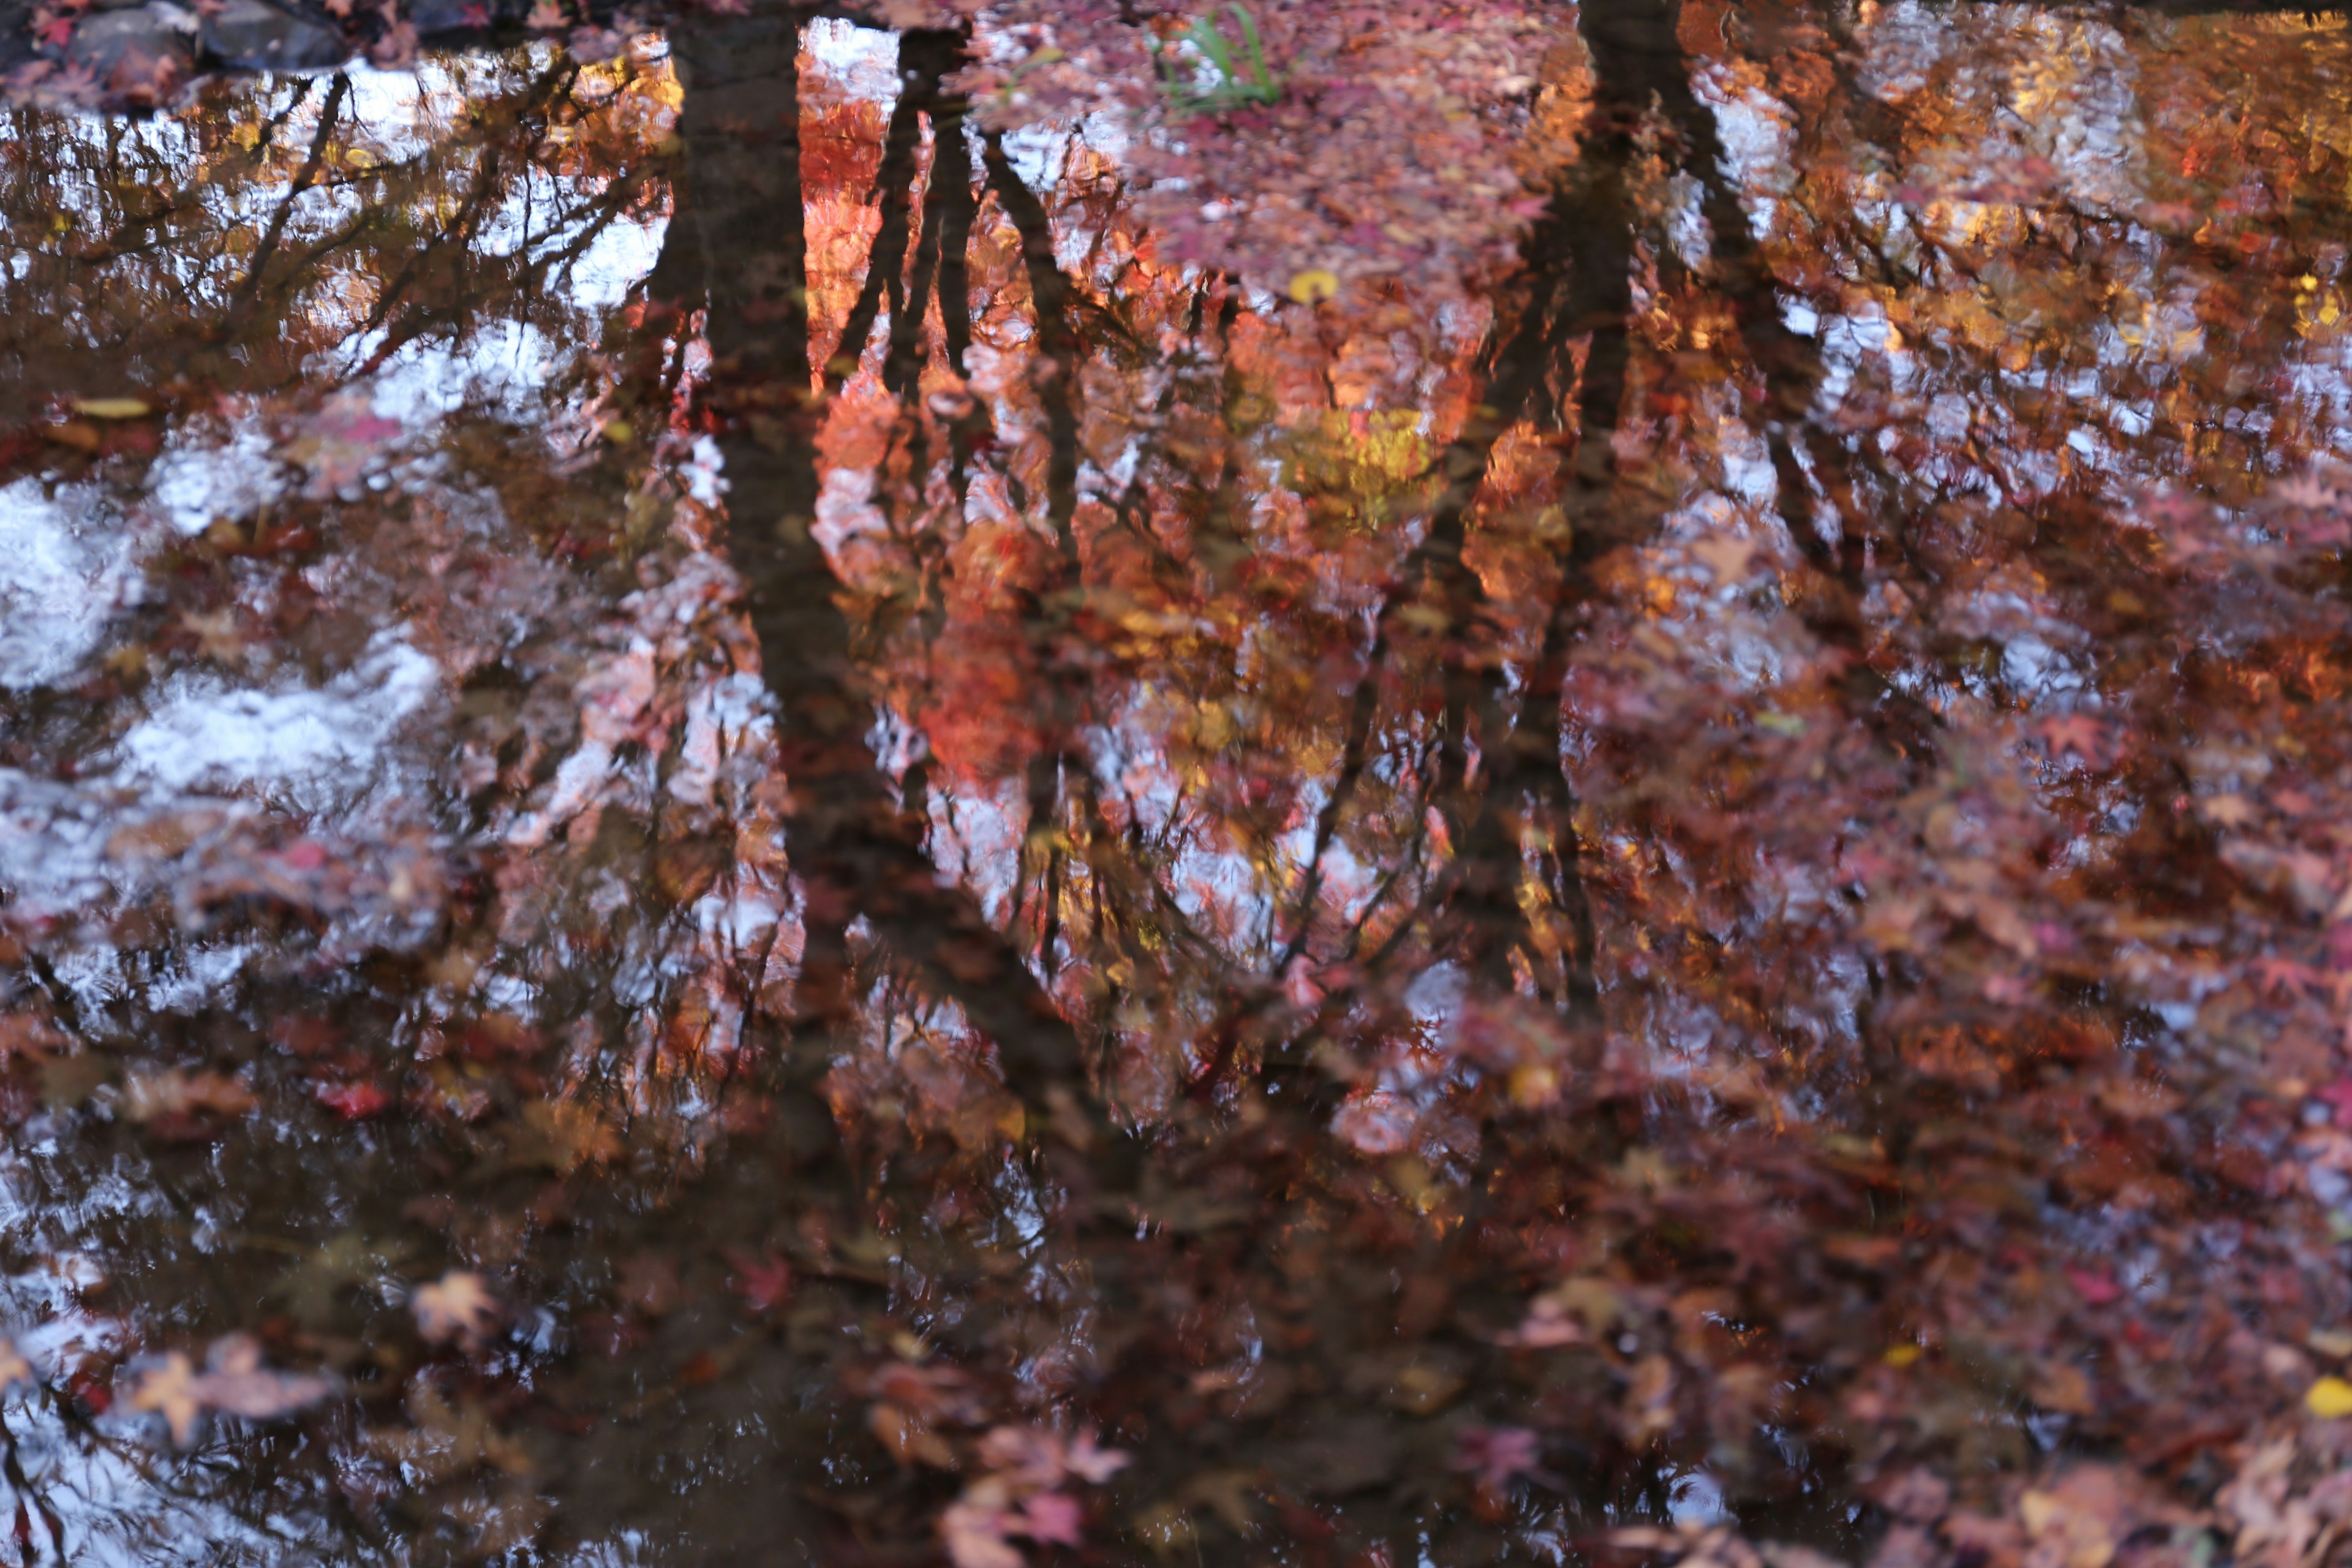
{"x": 974, "y": 1535}
{"x": 2095, "y": 1289}
{"x": 1051, "y": 1516}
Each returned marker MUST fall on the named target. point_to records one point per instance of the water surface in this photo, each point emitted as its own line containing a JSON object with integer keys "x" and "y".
{"x": 798, "y": 857}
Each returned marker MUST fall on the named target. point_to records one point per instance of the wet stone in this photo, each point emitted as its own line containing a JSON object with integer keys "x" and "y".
{"x": 15, "y": 37}
{"x": 126, "y": 46}
{"x": 434, "y": 18}
{"x": 246, "y": 35}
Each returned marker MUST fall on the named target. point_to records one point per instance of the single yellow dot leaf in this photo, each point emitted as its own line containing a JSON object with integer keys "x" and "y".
{"x": 1900, "y": 1355}
{"x": 2330, "y": 1398}
{"x": 1314, "y": 286}
{"x": 112, "y": 408}
{"x": 1533, "y": 1084}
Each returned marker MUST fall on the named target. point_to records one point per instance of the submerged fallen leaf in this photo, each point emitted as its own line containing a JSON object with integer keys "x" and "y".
{"x": 1498, "y": 1456}
{"x": 456, "y": 1307}
{"x": 112, "y": 408}
{"x": 2330, "y": 1398}
{"x": 564, "y": 1135}
{"x": 29, "y": 1036}
{"x": 216, "y": 635}
{"x": 1423, "y": 1390}
{"x": 445, "y": 1440}
{"x": 234, "y": 1382}
{"x": 67, "y": 1081}
{"x": 976, "y": 1536}
{"x": 337, "y": 442}
{"x": 149, "y": 1096}
{"x": 1725, "y": 557}
{"x": 314, "y": 1287}
{"x": 765, "y": 1283}
{"x": 1314, "y": 286}
{"x": 169, "y": 1391}
{"x": 1548, "y": 1325}
{"x": 353, "y": 1101}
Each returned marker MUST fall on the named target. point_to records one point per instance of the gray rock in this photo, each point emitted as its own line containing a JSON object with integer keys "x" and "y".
{"x": 134, "y": 43}
{"x": 15, "y": 34}
{"x": 248, "y": 35}
{"x": 437, "y": 17}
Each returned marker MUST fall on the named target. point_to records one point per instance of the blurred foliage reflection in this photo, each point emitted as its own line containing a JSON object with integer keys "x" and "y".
{"x": 727, "y": 834}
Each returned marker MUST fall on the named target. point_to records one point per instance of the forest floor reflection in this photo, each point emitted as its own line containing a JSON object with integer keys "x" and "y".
{"x": 734, "y": 827}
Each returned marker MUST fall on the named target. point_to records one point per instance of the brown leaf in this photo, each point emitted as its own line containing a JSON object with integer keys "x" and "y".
{"x": 174, "y": 1092}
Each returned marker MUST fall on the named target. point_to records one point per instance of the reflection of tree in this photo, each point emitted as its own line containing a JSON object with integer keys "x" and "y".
{"x": 857, "y": 851}
{"x": 1427, "y": 716}
{"x": 1573, "y": 945}
{"x": 245, "y": 255}
{"x": 213, "y": 251}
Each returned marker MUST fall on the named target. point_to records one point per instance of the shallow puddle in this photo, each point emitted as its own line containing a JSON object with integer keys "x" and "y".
{"x": 728, "y": 835}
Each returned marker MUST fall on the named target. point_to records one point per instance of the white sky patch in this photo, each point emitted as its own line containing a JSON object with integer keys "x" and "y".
{"x": 65, "y": 570}
{"x": 504, "y": 364}
{"x": 1901, "y": 45}
{"x": 1757, "y": 140}
{"x": 316, "y": 744}
{"x": 976, "y": 838}
{"x": 52, "y": 848}
{"x": 1038, "y": 152}
{"x": 601, "y": 280}
{"x": 862, "y": 62}
{"x": 704, "y": 473}
{"x": 191, "y": 486}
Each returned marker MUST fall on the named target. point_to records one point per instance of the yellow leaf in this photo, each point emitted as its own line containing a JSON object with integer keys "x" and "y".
{"x": 1314, "y": 286}
{"x": 2330, "y": 1398}
{"x": 1533, "y": 1084}
{"x": 112, "y": 408}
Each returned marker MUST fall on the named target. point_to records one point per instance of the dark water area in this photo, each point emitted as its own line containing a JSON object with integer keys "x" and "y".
{"x": 727, "y": 835}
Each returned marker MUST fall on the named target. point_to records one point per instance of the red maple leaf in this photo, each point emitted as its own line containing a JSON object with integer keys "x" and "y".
{"x": 765, "y": 1283}
{"x": 2079, "y": 734}
{"x": 2284, "y": 976}
{"x": 354, "y": 1101}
